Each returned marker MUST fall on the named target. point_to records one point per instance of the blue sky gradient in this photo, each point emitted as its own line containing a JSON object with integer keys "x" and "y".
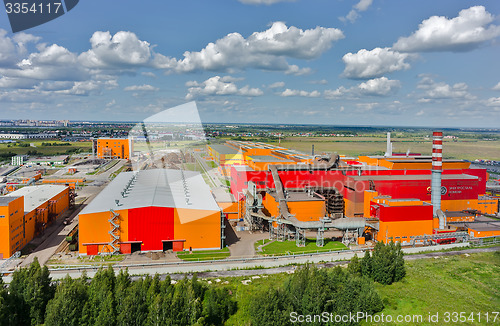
{"x": 339, "y": 62}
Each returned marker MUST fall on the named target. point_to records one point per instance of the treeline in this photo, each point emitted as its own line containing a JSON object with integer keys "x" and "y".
{"x": 311, "y": 291}
{"x": 56, "y": 144}
{"x": 108, "y": 299}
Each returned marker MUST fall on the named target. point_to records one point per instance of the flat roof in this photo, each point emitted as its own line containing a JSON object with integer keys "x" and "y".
{"x": 5, "y": 200}
{"x": 242, "y": 168}
{"x": 223, "y": 149}
{"x": 268, "y": 158}
{"x": 484, "y": 226}
{"x": 157, "y": 187}
{"x": 34, "y": 196}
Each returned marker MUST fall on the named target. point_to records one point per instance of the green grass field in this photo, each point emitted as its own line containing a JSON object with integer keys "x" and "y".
{"x": 204, "y": 255}
{"x": 45, "y": 150}
{"x": 469, "y": 149}
{"x": 469, "y": 284}
{"x": 458, "y": 283}
{"x": 289, "y": 247}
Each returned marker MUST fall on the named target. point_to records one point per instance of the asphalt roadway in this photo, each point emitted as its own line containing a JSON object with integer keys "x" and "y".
{"x": 242, "y": 267}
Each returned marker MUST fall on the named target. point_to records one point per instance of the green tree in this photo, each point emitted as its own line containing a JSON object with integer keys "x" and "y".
{"x": 69, "y": 298}
{"x": 388, "y": 263}
{"x": 30, "y": 291}
{"x": 100, "y": 308}
{"x": 366, "y": 264}
{"x": 218, "y": 306}
{"x": 354, "y": 266}
{"x": 4, "y": 311}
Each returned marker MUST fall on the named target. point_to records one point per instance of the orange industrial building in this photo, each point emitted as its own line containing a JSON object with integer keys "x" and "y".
{"x": 151, "y": 210}
{"x": 110, "y": 148}
{"x": 393, "y": 194}
{"x": 258, "y": 156}
{"x": 26, "y": 212}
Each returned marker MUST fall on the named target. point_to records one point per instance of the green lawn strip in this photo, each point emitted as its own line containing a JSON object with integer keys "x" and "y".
{"x": 289, "y": 247}
{"x": 469, "y": 284}
{"x": 204, "y": 255}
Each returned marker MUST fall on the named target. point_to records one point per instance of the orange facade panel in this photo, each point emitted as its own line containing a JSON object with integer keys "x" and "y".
{"x": 230, "y": 209}
{"x": 481, "y": 234}
{"x": 95, "y": 227}
{"x": 12, "y": 227}
{"x": 403, "y": 230}
{"x": 307, "y": 211}
{"x": 200, "y": 228}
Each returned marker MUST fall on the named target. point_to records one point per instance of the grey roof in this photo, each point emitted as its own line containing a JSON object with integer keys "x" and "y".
{"x": 484, "y": 226}
{"x": 158, "y": 187}
{"x": 223, "y": 149}
{"x": 5, "y": 200}
{"x": 34, "y": 196}
{"x": 268, "y": 158}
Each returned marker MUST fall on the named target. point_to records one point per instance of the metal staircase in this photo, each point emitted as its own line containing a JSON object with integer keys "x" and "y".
{"x": 114, "y": 232}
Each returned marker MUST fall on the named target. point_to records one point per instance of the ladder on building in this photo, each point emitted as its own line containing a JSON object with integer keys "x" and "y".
{"x": 114, "y": 232}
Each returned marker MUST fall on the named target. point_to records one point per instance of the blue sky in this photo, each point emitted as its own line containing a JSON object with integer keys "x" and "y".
{"x": 339, "y": 62}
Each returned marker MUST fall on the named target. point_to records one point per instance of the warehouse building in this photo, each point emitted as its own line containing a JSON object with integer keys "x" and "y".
{"x": 110, "y": 148}
{"x": 24, "y": 213}
{"x": 151, "y": 210}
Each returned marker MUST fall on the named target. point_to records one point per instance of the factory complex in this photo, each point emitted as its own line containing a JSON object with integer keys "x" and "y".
{"x": 411, "y": 198}
{"x": 406, "y": 198}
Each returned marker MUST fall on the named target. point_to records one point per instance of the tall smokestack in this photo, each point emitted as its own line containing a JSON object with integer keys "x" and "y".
{"x": 437, "y": 167}
{"x": 388, "y": 151}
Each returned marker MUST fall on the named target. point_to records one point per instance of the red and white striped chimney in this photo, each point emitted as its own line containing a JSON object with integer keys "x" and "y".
{"x": 437, "y": 167}
{"x": 437, "y": 151}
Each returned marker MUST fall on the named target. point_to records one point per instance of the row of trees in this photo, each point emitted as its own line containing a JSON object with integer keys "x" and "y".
{"x": 313, "y": 291}
{"x": 107, "y": 299}
{"x": 385, "y": 265}
{"x": 33, "y": 299}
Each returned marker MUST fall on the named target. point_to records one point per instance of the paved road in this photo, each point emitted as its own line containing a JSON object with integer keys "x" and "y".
{"x": 225, "y": 268}
{"x": 243, "y": 247}
{"x": 209, "y": 170}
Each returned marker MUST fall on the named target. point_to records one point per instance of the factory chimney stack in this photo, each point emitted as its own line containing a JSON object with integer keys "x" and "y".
{"x": 437, "y": 167}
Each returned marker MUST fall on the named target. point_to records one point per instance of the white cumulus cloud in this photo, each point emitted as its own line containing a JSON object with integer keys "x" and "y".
{"x": 219, "y": 86}
{"x": 440, "y": 90}
{"x": 266, "y": 50}
{"x": 374, "y": 87}
{"x": 496, "y": 87}
{"x": 120, "y": 51}
{"x": 141, "y": 88}
{"x": 295, "y": 92}
{"x": 362, "y": 5}
{"x": 366, "y": 64}
{"x": 279, "y": 84}
{"x": 493, "y": 101}
{"x": 467, "y": 31}
{"x": 379, "y": 86}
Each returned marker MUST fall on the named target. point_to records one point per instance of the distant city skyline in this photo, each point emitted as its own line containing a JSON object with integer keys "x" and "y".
{"x": 325, "y": 62}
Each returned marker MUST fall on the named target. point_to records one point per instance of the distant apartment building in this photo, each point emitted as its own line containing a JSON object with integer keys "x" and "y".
{"x": 108, "y": 148}
{"x": 29, "y": 136}
{"x": 18, "y": 160}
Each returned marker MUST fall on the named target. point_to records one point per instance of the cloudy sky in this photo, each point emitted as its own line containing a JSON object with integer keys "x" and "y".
{"x": 339, "y": 62}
